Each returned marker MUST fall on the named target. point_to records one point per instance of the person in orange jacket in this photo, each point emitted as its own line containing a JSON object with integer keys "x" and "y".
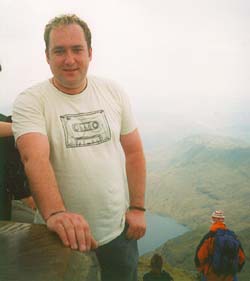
{"x": 205, "y": 250}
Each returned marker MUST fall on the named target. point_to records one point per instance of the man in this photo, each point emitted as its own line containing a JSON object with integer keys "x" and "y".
{"x": 156, "y": 273}
{"x": 71, "y": 131}
{"x": 210, "y": 264}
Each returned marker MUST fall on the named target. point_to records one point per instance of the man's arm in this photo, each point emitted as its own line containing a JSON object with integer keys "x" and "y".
{"x": 5, "y": 129}
{"x": 136, "y": 174}
{"x": 72, "y": 228}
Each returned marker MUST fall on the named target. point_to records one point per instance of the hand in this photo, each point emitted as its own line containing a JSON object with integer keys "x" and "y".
{"x": 136, "y": 224}
{"x": 73, "y": 230}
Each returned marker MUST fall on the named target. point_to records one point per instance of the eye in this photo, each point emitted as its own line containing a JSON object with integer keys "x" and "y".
{"x": 59, "y": 51}
{"x": 77, "y": 50}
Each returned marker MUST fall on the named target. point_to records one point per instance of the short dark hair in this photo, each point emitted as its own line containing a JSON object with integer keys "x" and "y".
{"x": 156, "y": 262}
{"x": 66, "y": 20}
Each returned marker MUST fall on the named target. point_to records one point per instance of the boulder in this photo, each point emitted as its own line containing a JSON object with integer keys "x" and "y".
{"x": 31, "y": 252}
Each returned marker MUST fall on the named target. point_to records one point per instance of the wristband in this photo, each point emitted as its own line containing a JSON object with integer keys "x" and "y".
{"x": 137, "y": 208}
{"x": 54, "y": 213}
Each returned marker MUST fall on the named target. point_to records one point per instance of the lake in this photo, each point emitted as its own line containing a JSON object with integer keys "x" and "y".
{"x": 159, "y": 230}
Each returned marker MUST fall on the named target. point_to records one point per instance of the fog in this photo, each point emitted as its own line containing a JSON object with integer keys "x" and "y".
{"x": 185, "y": 58}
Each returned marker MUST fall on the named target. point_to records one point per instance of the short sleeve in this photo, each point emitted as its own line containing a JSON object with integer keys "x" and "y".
{"x": 128, "y": 122}
{"x": 28, "y": 115}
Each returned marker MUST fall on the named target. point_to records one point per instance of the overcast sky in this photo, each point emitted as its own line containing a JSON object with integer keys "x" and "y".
{"x": 184, "y": 57}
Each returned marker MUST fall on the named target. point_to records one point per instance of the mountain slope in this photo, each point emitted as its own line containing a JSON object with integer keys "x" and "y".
{"x": 191, "y": 179}
{"x": 199, "y": 175}
{"x": 179, "y": 252}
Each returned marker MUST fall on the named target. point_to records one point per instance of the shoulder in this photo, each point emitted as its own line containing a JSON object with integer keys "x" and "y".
{"x": 103, "y": 81}
{"x": 167, "y": 275}
{"x": 231, "y": 232}
{"x": 38, "y": 87}
{"x": 207, "y": 236}
{"x": 146, "y": 276}
{"x": 106, "y": 87}
{"x": 34, "y": 92}
{"x": 204, "y": 244}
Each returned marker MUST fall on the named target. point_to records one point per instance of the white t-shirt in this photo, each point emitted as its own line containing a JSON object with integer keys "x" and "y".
{"x": 85, "y": 151}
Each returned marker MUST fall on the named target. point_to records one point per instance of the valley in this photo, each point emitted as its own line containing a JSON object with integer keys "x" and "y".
{"x": 190, "y": 179}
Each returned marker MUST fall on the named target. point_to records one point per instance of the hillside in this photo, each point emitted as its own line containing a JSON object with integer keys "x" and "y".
{"x": 179, "y": 252}
{"x": 191, "y": 179}
{"x": 199, "y": 175}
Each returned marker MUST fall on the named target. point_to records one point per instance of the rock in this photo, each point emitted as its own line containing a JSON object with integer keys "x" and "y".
{"x": 31, "y": 252}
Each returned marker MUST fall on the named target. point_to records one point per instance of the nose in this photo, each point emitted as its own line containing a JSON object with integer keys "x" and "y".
{"x": 69, "y": 58}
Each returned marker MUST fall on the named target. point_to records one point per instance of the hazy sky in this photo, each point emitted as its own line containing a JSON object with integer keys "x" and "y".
{"x": 184, "y": 57}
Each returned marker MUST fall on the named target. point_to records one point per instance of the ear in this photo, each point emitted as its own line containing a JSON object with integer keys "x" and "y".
{"x": 47, "y": 55}
{"x": 90, "y": 54}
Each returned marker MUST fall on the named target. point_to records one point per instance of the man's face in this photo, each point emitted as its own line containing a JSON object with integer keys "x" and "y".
{"x": 68, "y": 56}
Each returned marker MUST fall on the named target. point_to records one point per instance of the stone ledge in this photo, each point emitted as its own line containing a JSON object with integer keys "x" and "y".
{"x": 31, "y": 252}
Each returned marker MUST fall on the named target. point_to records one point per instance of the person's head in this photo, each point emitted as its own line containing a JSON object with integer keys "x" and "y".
{"x": 68, "y": 52}
{"x": 156, "y": 263}
{"x": 217, "y": 216}
{"x": 66, "y": 20}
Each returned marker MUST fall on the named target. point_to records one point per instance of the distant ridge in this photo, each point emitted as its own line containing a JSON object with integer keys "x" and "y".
{"x": 216, "y": 141}
{"x": 199, "y": 174}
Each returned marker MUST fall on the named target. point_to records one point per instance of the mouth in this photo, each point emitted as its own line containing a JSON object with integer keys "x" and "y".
{"x": 70, "y": 70}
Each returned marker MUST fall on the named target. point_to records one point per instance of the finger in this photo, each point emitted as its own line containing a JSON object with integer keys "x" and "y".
{"x": 136, "y": 233}
{"x": 86, "y": 243}
{"x": 130, "y": 233}
{"x": 142, "y": 233}
{"x": 70, "y": 232}
{"x": 87, "y": 238}
{"x": 139, "y": 235}
{"x": 62, "y": 234}
{"x": 80, "y": 237}
{"x": 83, "y": 234}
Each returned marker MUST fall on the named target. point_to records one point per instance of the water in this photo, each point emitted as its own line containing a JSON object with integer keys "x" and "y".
{"x": 159, "y": 230}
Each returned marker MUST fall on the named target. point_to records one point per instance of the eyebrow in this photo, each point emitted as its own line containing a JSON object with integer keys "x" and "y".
{"x": 63, "y": 47}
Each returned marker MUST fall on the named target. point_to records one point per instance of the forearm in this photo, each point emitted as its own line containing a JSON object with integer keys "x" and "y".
{"x": 72, "y": 228}
{"x": 43, "y": 186}
{"x": 5, "y": 129}
{"x": 136, "y": 175}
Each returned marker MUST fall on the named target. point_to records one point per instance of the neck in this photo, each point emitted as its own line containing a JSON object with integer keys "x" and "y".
{"x": 156, "y": 271}
{"x": 69, "y": 91}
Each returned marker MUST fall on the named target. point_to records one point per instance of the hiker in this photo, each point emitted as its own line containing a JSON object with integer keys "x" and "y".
{"x": 219, "y": 255}
{"x": 16, "y": 184}
{"x": 80, "y": 147}
{"x": 156, "y": 273}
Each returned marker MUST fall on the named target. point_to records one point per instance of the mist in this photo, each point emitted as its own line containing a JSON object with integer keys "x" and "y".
{"x": 186, "y": 59}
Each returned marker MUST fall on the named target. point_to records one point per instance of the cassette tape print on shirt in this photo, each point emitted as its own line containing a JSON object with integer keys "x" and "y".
{"x": 85, "y": 129}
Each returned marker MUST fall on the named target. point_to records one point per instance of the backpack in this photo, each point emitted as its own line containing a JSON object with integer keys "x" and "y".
{"x": 225, "y": 260}
{"x": 15, "y": 180}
